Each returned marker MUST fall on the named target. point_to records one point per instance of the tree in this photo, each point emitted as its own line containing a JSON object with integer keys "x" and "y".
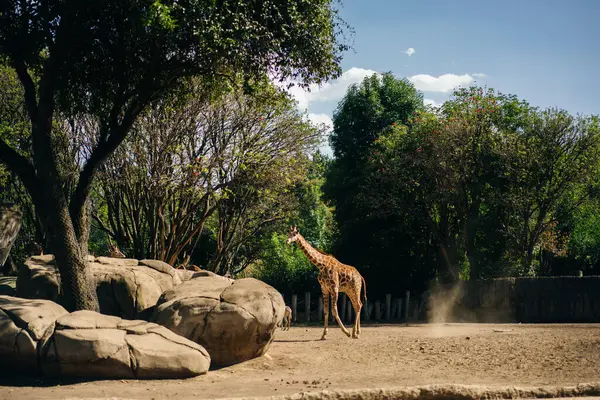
{"x": 14, "y": 128}
{"x": 359, "y": 120}
{"x": 110, "y": 59}
{"x": 286, "y": 267}
{"x": 223, "y": 159}
{"x": 487, "y": 176}
{"x": 553, "y": 161}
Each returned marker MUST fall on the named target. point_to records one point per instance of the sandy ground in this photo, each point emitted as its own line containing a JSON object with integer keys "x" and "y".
{"x": 384, "y": 356}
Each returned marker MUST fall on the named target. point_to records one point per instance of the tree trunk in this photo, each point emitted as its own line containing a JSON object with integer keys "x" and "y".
{"x": 78, "y": 284}
{"x": 82, "y": 225}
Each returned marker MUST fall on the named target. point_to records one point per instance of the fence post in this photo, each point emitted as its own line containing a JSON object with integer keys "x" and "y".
{"x": 294, "y": 307}
{"x": 388, "y": 307}
{"x": 378, "y": 311}
{"x": 365, "y": 310}
{"x": 399, "y": 308}
{"x": 342, "y": 309}
{"x": 320, "y": 309}
{"x": 307, "y": 305}
{"x": 406, "y": 302}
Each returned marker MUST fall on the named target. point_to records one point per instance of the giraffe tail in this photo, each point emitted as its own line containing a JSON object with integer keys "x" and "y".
{"x": 364, "y": 285}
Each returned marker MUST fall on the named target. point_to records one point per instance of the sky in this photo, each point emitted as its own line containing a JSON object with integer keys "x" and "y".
{"x": 544, "y": 51}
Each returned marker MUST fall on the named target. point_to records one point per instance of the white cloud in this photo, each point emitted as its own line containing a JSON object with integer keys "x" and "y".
{"x": 429, "y": 102}
{"x": 443, "y": 83}
{"x": 320, "y": 119}
{"x": 479, "y": 75}
{"x": 329, "y": 91}
{"x": 410, "y": 51}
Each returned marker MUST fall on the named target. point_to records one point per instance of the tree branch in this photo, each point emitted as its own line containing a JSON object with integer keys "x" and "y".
{"x": 21, "y": 166}
{"x": 28, "y": 87}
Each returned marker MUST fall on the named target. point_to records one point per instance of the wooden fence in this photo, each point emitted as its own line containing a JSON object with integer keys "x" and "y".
{"x": 528, "y": 300}
{"x": 307, "y": 309}
{"x": 539, "y": 299}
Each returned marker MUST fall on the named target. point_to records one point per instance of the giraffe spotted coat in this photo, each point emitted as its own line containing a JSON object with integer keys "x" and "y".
{"x": 334, "y": 277}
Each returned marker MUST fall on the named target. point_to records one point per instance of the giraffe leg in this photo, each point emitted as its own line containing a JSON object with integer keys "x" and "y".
{"x": 358, "y": 323}
{"x": 325, "y": 314}
{"x": 334, "y": 299}
{"x": 357, "y": 305}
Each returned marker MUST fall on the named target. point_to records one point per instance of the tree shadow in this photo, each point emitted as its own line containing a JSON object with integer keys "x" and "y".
{"x": 15, "y": 379}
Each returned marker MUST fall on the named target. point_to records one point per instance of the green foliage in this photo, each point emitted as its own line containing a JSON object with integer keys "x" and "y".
{"x": 284, "y": 266}
{"x": 584, "y": 243}
{"x": 366, "y": 110}
{"x": 482, "y": 182}
{"x": 131, "y": 48}
{"x": 14, "y": 130}
{"x": 204, "y": 189}
{"x": 370, "y": 110}
{"x": 107, "y": 61}
{"x": 315, "y": 218}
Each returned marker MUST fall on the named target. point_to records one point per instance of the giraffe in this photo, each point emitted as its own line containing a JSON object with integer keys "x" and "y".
{"x": 334, "y": 277}
{"x": 113, "y": 250}
{"x": 287, "y": 319}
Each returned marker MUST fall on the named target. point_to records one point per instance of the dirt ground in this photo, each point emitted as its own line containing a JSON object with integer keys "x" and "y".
{"x": 384, "y": 356}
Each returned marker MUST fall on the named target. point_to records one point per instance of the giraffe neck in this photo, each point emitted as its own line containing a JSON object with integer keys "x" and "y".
{"x": 311, "y": 253}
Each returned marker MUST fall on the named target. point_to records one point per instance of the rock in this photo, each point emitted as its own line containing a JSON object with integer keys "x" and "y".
{"x": 124, "y": 290}
{"x": 127, "y": 291}
{"x": 43, "y": 259}
{"x": 8, "y": 285}
{"x": 23, "y": 324}
{"x": 92, "y": 345}
{"x": 197, "y": 274}
{"x": 117, "y": 261}
{"x": 233, "y": 320}
{"x": 38, "y": 279}
{"x": 165, "y": 268}
{"x": 186, "y": 275}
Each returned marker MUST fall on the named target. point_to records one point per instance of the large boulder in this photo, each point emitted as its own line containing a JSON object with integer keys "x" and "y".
{"x": 23, "y": 324}
{"x": 88, "y": 344}
{"x": 39, "y": 335}
{"x": 233, "y": 320}
{"x": 126, "y": 287}
{"x": 8, "y": 285}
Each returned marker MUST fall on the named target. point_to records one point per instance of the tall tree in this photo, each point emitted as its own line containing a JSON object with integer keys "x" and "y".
{"x": 283, "y": 266}
{"x": 112, "y": 58}
{"x": 359, "y": 120}
{"x": 553, "y": 161}
{"x": 228, "y": 154}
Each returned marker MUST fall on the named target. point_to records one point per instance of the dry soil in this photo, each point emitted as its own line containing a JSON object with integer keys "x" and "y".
{"x": 384, "y": 356}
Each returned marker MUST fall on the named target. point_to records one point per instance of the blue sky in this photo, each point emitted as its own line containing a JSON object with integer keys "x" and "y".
{"x": 544, "y": 51}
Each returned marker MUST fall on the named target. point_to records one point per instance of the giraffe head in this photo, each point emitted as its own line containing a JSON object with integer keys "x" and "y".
{"x": 292, "y": 235}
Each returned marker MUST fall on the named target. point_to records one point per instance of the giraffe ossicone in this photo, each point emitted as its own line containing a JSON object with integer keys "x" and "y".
{"x": 334, "y": 277}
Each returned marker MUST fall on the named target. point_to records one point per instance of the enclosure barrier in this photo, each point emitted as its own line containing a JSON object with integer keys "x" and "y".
{"x": 528, "y": 300}
{"x": 532, "y": 300}
{"x": 378, "y": 311}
